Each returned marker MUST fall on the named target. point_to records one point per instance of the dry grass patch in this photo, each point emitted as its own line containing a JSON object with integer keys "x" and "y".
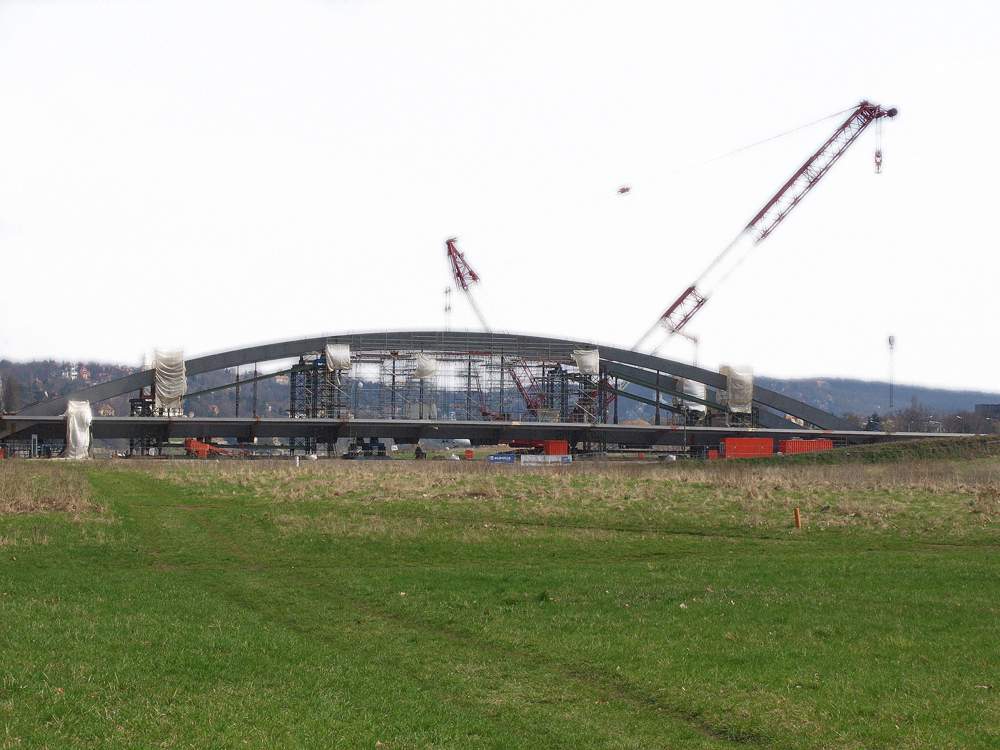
{"x": 42, "y": 487}
{"x": 954, "y": 497}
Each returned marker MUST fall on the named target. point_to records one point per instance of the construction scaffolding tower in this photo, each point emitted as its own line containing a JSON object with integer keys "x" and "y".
{"x": 316, "y": 392}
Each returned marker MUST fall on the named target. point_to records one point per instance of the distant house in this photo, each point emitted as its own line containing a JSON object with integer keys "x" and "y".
{"x": 84, "y": 372}
{"x": 105, "y": 410}
{"x": 282, "y": 380}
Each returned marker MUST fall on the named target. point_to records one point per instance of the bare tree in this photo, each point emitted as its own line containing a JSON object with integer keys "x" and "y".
{"x": 12, "y": 395}
{"x": 969, "y": 421}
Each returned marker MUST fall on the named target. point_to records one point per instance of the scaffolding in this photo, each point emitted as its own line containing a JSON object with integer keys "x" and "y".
{"x": 316, "y": 392}
{"x": 475, "y": 386}
{"x": 470, "y": 386}
{"x": 149, "y": 437}
{"x": 404, "y": 395}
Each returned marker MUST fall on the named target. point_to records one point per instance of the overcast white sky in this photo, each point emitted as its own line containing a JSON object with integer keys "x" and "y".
{"x": 218, "y": 174}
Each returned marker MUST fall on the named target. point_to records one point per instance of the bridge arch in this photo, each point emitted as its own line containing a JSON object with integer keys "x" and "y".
{"x": 630, "y": 366}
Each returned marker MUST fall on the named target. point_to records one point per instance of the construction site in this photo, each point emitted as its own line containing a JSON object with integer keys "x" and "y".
{"x": 488, "y": 387}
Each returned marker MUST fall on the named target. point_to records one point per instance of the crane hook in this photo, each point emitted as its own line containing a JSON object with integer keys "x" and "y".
{"x": 878, "y": 146}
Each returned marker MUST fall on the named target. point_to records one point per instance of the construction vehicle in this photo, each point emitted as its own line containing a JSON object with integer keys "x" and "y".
{"x": 767, "y": 219}
{"x": 198, "y": 449}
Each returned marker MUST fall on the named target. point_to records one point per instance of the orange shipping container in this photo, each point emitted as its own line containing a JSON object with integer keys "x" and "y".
{"x": 804, "y": 446}
{"x": 746, "y": 447}
{"x": 555, "y": 447}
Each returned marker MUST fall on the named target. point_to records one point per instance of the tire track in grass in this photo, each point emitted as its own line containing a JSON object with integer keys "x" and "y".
{"x": 590, "y": 679}
{"x": 594, "y": 687}
{"x": 170, "y": 530}
{"x": 149, "y": 497}
{"x": 264, "y": 595}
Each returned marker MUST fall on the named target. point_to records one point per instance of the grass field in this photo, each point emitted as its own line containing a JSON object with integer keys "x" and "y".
{"x": 454, "y": 605}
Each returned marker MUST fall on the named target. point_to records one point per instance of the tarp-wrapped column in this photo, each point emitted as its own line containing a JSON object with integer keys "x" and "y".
{"x": 171, "y": 378}
{"x": 426, "y": 366}
{"x": 338, "y": 357}
{"x": 739, "y": 388}
{"x": 78, "y": 419}
{"x": 696, "y": 390}
{"x": 588, "y": 361}
{"x": 424, "y": 407}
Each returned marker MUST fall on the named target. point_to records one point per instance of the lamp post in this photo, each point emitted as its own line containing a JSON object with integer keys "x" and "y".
{"x": 892, "y": 345}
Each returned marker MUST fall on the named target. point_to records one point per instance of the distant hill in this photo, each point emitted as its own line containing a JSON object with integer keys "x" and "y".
{"x": 864, "y": 397}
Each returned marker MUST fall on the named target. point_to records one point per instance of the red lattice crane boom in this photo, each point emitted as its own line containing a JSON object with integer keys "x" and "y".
{"x": 767, "y": 219}
{"x": 465, "y": 277}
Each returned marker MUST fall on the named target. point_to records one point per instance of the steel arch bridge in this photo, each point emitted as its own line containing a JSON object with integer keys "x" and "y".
{"x": 620, "y": 370}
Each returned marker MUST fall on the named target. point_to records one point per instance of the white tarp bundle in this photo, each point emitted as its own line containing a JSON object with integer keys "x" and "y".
{"x": 338, "y": 357}
{"x": 427, "y": 366}
{"x": 588, "y": 361}
{"x": 695, "y": 389}
{"x": 78, "y": 418}
{"x": 171, "y": 378}
{"x": 739, "y": 388}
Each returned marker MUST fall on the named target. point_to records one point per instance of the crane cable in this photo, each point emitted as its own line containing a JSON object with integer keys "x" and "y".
{"x": 618, "y": 191}
{"x": 766, "y": 140}
{"x": 623, "y": 190}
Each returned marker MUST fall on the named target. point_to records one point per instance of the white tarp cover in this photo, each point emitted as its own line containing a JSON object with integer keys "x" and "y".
{"x": 171, "y": 378}
{"x": 427, "y": 366}
{"x": 338, "y": 357}
{"x": 588, "y": 361}
{"x": 78, "y": 418}
{"x": 420, "y": 410}
{"x": 739, "y": 388}
{"x": 697, "y": 390}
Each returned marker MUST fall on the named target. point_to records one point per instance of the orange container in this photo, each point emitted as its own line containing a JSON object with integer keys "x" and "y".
{"x": 746, "y": 447}
{"x": 713, "y": 454}
{"x": 804, "y": 446}
{"x": 469, "y": 455}
{"x": 555, "y": 447}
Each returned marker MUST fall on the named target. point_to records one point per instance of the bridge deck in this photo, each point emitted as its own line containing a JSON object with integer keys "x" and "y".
{"x": 410, "y": 431}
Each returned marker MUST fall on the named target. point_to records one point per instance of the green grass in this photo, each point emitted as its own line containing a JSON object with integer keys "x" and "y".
{"x": 406, "y": 605}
